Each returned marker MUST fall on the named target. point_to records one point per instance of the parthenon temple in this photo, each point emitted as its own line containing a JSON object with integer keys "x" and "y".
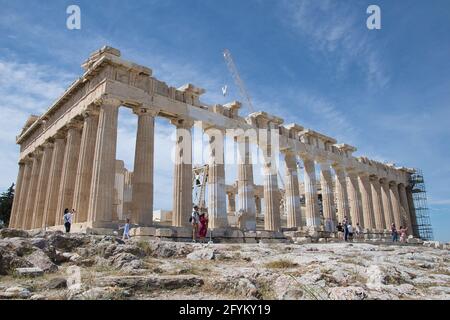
{"x": 68, "y": 160}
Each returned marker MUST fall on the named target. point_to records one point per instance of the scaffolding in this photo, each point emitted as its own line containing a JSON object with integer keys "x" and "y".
{"x": 419, "y": 196}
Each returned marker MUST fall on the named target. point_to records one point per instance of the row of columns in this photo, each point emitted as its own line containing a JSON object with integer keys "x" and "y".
{"x": 75, "y": 169}
{"x": 72, "y": 169}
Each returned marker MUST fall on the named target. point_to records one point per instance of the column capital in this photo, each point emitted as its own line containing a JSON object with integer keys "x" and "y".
{"x": 90, "y": 111}
{"x": 145, "y": 111}
{"x": 393, "y": 183}
{"x": 74, "y": 124}
{"x": 48, "y": 144}
{"x": 182, "y": 123}
{"x": 105, "y": 99}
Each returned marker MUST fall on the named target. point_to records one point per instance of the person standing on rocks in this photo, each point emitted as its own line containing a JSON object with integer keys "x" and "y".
{"x": 403, "y": 234}
{"x": 340, "y": 230}
{"x": 345, "y": 226}
{"x": 195, "y": 220}
{"x": 126, "y": 230}
{"x": 394, "y": 233}
{"x": 350, "y": 231}
{"x": 203, "y": 229}
{"x": 68, "y": 215}
{"x": 358, "y": 231}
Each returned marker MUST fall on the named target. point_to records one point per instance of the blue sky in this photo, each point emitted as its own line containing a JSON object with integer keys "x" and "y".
{"x": 312, "y": 62}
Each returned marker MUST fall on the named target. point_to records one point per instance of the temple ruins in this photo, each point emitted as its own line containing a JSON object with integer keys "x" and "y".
{"x": 68, "y": 160}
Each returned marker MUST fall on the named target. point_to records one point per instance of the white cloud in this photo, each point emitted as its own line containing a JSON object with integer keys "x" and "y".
{"x": 339, "y": 31}
{"x": 25, "y": 88}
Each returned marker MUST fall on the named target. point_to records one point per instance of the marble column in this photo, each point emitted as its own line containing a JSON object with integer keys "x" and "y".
{"x": 24, "y": 193}
{"x": 231, "y": 203}
{"x": 182, "y": 186}
{"x": 217, "y": 211}
{"x": 329, "y": 209}
{"x": 412, "y": 211}
{"x": 272, "y": 219}
{"x": 341, "y": 194}
{"x": 39, "y": 206}
{"x": 258, "y": 205}
{"x": 377, "y": 203}
{"x": 69, "y": 172}
{"x": 406, "y": 217}
{"x": 395, "y": 199}
{"x": 354, "y": 199}
{"x": 17, "y": 194}
{"x": 292, "y": 191}
{"x": 142, "y": 193}
{"x": 85, "y": 165}
{"x": 311, "y": 198}
{"x": 246, "y": 201}
{"x": 103, "y": 173}
{"x": 367, "y": 202}
{"x": 32, "y": 190}
{"x": 54, "y": 180}
{"x": 387, "y": 206}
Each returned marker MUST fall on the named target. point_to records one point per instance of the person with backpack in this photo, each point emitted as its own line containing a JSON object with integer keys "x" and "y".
{"x": 194, "y": 220}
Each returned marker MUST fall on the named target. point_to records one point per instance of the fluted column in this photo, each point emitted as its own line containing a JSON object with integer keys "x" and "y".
{"x": 217, "y": 211}
{"x": 17, "y": 193}
{"x": 54, "y": 181}
{"x": 24, "y": 193}
{"x": 367, "y": 202}
{"x": 29, "y": 207}
{"x": 182, "y": 186}
{"x": 292, "y": 191}
{"x": 143, "y": 167}
{"x": 39, "y": 206}
{"x": 326, "y": 184}
{"x": 258, "y": 205}
{"x": 412, "y": 211}
{"x": 406, "y": 217}
{"x": 246, "y": 201}
{"x": 231, "y": 202}
{"x": 271, "y": 199}
{"x": 311, "y": 199}
{"x": 341, "y": 194}
{"x": 69, "y": 172}
{"x": 377, "y": 203}
{"x": 395, "y": 199}
{"x": 103, "y": 173}
{"x": 387, "y": 206}
{"x": 85, "y": 165}
{"x": 354, "y": 199}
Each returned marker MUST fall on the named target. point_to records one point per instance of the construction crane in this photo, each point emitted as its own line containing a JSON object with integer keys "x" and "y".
{"x": 242, "y": 90}
{"x": 237, "y": 80}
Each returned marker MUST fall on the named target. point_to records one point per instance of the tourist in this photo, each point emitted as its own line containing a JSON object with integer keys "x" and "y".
{"x": 68, "y": 215}
{"x": 350, "y": 231}
{"x": 394, "y": 233}
{"x": 358, "y": 231}
{"x": 203, "y": 226}
{"x": 340, "y": 230}
{"x": 403, "y": 234}
{"x": 194, "y": 220}
{"x": 345, "y": 226}
{"x": 126, "y": 230}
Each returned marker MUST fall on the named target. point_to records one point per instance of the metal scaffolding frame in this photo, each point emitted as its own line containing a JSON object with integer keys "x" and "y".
{"x": 419, "y": 196}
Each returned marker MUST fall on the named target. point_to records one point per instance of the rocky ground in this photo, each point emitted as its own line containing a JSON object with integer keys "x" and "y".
{"x": 53, "y": 265}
